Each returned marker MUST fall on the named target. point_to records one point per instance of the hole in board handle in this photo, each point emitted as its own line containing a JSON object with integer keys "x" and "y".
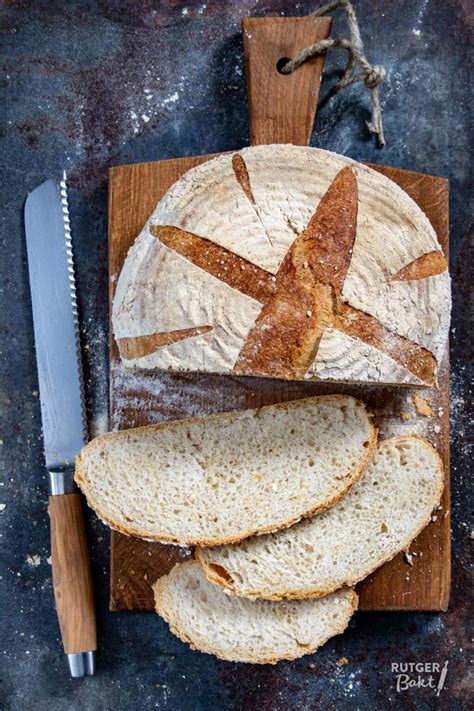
{"x": 281, "y": 63}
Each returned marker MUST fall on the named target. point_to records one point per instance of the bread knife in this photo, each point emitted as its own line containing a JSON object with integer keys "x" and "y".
{"x": 58, "y": 358}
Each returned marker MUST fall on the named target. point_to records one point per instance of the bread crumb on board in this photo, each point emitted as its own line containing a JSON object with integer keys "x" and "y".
{"x": 422, "y": 405}
{"x": 342, "y": 662}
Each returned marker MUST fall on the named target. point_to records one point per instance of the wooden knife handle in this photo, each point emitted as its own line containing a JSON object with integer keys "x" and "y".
{"x": 72, "y": 577}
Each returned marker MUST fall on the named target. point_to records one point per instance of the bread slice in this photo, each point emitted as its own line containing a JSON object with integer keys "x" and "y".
{"x": 223, "y": 478}
{"x": 239, "y": 630}
{"x": 381, "y": 515}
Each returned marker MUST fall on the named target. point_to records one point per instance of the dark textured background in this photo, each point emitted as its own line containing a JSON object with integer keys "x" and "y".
{"x": 88, "y": 85}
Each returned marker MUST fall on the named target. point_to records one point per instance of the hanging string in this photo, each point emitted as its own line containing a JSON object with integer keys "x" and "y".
{"x": 357, "y": 68}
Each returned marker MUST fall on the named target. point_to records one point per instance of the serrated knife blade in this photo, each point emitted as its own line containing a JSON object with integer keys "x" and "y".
{"x": 53, "y": 295}
{"x": 58, "y": 357}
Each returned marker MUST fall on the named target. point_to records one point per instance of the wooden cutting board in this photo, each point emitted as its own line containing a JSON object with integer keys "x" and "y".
{"x": 282, "y": 109}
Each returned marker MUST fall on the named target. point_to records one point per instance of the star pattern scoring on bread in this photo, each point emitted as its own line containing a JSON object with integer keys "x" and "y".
{"x": 304, "y": 298}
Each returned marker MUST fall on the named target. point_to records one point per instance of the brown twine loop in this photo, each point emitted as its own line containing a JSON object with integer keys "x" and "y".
{"x": 371, "y": 75}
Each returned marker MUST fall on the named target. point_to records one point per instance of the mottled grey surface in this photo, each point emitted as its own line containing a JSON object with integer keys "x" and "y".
{"x": 88, "y": 85}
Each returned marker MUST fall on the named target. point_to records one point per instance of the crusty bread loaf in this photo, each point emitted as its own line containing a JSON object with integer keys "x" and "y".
{"x": 290, "y": 262}
{"x": 238, "y": 630}
{"x": 380, "y": 516}
{"x": 223, "y": 478}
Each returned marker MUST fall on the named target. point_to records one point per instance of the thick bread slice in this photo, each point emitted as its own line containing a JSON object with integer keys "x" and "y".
{"x": 223, "y": 478}
{"x": 381, "y": 515}
{"x": 238, "y": 630}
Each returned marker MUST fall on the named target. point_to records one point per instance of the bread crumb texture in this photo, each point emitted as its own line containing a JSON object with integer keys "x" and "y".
{"x": 239, "y": 630}
{"x": 380, "y": 516}
{"x": 222, "y": 478}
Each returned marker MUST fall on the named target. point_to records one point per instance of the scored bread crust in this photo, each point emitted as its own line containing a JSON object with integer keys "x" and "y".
{"x": 81, "y": 480}
{"x": 263, "y": 594}
{"x": 222, "y": 230}
{"x": 286, "y": 335}
{"x": 161, "y": 609}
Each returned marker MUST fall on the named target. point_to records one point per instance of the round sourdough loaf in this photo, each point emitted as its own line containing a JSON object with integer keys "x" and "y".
{"x": 289, "y": 262}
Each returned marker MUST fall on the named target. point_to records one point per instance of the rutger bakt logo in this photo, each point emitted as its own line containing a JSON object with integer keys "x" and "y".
{"x": 420, "y": 675}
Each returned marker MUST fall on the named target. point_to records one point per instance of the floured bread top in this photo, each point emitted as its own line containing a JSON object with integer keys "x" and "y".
{"x": 289, "y": 262}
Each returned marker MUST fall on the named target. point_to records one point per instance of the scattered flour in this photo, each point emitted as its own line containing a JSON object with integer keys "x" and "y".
{"x": 99, "y": 424}
{"x": 33, "y": 560}
{"x": 170, "y": 99}
{"x": 95, "y": 352}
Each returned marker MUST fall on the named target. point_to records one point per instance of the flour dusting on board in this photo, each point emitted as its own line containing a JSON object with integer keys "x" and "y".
{"x": 142, "y": 398}
{"x": 95, "y": 360}
{"x": 408, "y": 420}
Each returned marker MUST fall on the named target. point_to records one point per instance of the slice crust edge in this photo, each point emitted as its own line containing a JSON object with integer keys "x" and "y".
{"x": 222, "y": 578}
{"x": 152, "y": 536}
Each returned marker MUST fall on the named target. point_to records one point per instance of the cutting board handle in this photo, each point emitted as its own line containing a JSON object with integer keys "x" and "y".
{"x": 282, "y": 107}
